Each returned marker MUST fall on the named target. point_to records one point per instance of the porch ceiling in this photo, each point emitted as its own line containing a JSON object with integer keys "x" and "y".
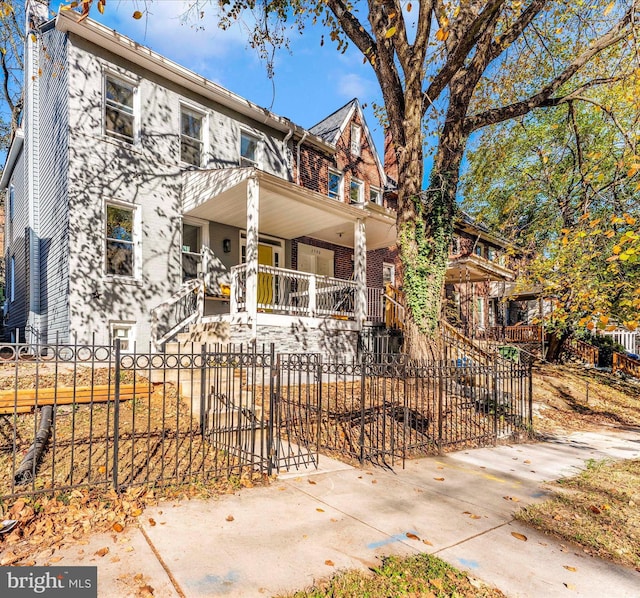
{"x": 286, "y": 210}
{"x": 473, "y": 268}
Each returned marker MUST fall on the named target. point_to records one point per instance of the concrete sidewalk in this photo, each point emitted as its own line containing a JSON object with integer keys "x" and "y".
{"x": 302, "y": 528}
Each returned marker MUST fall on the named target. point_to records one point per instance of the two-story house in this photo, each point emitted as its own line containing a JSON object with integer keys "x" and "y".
{"x": 133, "y": 180}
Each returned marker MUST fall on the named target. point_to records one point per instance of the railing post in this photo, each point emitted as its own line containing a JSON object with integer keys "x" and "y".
{"x": 116, "y": 415}
{"x": 312, "y": 295}
{"x": 235, "y": 289}
{"x": 203, "y": 389}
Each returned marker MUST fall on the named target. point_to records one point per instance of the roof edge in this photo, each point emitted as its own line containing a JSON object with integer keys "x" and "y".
{"x": 12, "y": 157}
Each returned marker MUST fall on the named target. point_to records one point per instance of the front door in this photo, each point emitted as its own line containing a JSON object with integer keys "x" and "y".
{"x": 265, "y": 280}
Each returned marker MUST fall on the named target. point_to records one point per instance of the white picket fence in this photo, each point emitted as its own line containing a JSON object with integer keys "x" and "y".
{"x": 629, "y": 340}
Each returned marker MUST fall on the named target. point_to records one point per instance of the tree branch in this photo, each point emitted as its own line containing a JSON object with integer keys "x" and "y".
{"x": 523, "y": 21}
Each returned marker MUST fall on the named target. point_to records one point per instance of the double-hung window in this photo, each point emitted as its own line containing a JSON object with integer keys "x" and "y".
{"x": 249, "y": 148}
{"x": 335, "y": 184}
{"x": 120, "y": 243}
{"x": 356, "y": 191}
{"x": 119, "y": 117}
{"x": 356, "y": 134}
{"x": 191, "y": 137}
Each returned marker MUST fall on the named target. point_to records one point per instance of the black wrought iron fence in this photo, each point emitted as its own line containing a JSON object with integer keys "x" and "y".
{"x": 94, "y": 416}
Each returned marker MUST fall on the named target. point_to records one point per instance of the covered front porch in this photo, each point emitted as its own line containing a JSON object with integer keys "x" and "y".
{"x": 299, "y": 253}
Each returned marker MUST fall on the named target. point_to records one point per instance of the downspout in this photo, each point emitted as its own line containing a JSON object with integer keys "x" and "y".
{"x": 285, "y": 149}
{"x": 304, "y": 136}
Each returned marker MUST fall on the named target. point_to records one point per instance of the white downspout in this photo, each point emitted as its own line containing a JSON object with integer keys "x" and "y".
{"x": 304, "y": 135}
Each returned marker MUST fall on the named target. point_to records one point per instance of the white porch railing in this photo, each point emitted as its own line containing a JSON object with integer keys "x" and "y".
{"x": 291, "y": 292}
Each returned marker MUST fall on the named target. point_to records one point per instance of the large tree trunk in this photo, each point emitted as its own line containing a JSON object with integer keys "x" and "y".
{"x": 425, "y": 230}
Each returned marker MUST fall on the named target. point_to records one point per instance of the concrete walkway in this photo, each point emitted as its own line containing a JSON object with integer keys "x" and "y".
{"x": 302, "y": 528}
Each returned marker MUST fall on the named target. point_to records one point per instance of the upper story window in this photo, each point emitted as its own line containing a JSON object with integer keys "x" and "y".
{"x": 356, "y": 134}
{"x": 375, "y": 195}
{"x": 479, "y": 249}
{"x": 120, "y": 246}
{"x": 191, "y": 137}
{"x": 335, "y": 184}
{"x": 249, "y": 148}
{"x": 119, "y": 121}
{"x": 356, "y": 191}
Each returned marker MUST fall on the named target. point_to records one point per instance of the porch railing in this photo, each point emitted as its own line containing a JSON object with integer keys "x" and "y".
{"x": 626, "y": 365}
{"x": 284, "y": 291}
{"x": 515, "y": 334}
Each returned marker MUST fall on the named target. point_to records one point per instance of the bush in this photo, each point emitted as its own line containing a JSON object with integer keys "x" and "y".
{"x": 606, "y": 346}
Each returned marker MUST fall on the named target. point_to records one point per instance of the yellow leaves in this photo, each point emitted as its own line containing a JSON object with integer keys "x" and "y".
{"x": 101, "y": 5}
{"x": 630, "y": 324}
{"x": 409, "y": 7}
{"x": 609, "y": 8}
{"x": 616, "y": 249}
{"x": 633, "y": 169}
{"x": 5, "y": 9}
{"x": 390, "y": 32}
{"x": 137, "y": 15}
{"x": 519, "y": 536}
{"x": 442, "y": 35}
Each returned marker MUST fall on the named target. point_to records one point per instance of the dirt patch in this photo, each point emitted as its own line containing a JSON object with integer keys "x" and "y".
{"x": 569, "y": 398}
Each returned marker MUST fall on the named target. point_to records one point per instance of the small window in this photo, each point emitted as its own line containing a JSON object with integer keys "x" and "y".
{"x": 249, "y": 145}
{"x": 191, "y": 245}
{"x": 356, "y": 191}
{"x": 119, "y": 113}
{"x": 335, "y": 184}
{"x": 356, "y": 133}
{"x": 478, "y": 249}
{"x": 124, "y": 332}
{"x": 12, "y": 279}
{"x": 388, "y": 274}
{"x": 191, "y": 137}
{"x": 119, "y": 241}
{"x": 375, "y": 195}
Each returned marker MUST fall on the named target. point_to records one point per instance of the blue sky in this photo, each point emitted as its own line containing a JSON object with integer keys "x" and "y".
{"x": 310, "y": 83}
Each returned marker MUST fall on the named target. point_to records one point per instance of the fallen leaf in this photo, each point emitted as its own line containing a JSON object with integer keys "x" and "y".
{"x": 152, "y": 521}
{"x": 374, "y": 481}
{"x": 528, "y": 462}
{"x": 312, "y": 482}
{"x": 115, "y": 559}
{"x": 145, "y": 590}
{"x": 136, "y": 512}
{"x": 568, "y": 568}
{"x": 229, "y": 518}
{"x": 320, "y": 510}
{"x": 466, "y": 512}
{"x": 439, "y": 479}
{"x": 512, "y": 498}
{"x": 436, "y": 583}
{"x": 102, "y": 551}
{"x": 411, "y": 536}
{"x": 569, "y": 586}
{"x": 595, "y": 509}
{"x": 519, "y": 536}
{"x": 427, "y": 542}
{"x": 476, "y": 517}
{"x": 117, "y": 527}
{"x": 333, "y": 520}
{"x": 329, "y": 563}
{"x": 56, "y": 559}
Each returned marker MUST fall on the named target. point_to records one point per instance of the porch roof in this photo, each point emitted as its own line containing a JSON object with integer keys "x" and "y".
{"x": 474, "y": 268}
{"x": 286, "y": 210}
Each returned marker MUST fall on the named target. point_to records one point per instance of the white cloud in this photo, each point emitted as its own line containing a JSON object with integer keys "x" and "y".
{"x": 353, "y": 85}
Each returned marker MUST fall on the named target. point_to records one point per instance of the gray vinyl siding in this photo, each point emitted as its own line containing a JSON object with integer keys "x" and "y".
{"x": 54, "y": 207}
{"x": 18, "y": 247}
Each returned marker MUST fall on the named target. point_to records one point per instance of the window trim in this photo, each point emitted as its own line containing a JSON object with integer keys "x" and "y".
{"x": 136, "y": 241}
{"x": 378, "y": 192}
{"x": 355, "y": 144}
{"x": 340, "y": 195}
{"x": 204, "y": 142}
{"x": 479, "y": 250}
{"x": 204, "y": 237}
{"x": 392, "y": 268}
{"x": 360, "y": 186}
{"x": 109, "y": 73}
{"x": 131, "y": 337}
{"x": 241, "y": 159}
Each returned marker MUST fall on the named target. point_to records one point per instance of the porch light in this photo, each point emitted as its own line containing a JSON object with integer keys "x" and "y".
{"x": 226, "y": 245}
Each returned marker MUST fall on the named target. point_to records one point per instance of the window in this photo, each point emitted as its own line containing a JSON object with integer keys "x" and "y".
{"x": 375, "y": 195}
{"x": 388, "y": 274}
{"x": 191, "y": 137}
{"x": 191, "y": 245}
{"x": 356, "y": 132}
{"x": 478, "y": 250}
{"x": 356, "y": 191}
{"x": 119, "y": 119}
{"x": 480, "y": 311}
{"x": 249, "y": 146}
{"x": 12, "y": 279}
{"x": 119, "y": 241}
{"x": 335, "y": 184}
{"x": 123, "y": 331}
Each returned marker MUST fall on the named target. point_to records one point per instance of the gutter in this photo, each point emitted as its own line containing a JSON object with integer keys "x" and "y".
{"x": 12, "y": 157}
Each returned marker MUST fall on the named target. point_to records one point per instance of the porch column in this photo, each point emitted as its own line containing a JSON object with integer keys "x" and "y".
{"x": 253, "y": 200}
{"x": 360, "y": 271}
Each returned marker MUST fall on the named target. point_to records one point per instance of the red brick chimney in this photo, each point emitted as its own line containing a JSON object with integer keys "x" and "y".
{"x": 390, "y": 158}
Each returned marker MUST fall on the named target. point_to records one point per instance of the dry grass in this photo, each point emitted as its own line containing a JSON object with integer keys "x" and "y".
{"x": 597, "y": 509}
{"x": 570, "y": 398}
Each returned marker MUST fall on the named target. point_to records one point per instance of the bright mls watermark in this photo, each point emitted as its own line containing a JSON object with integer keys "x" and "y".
{"x": 61, "y": 582}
